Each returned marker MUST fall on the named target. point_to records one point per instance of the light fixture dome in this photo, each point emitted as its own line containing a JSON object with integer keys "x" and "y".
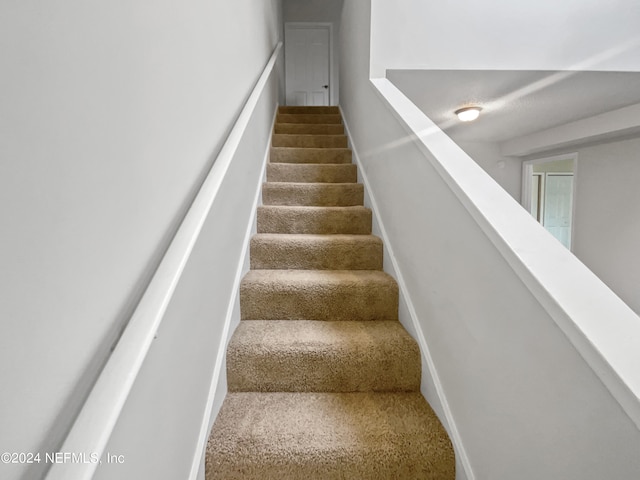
{"x": 468, "y": 114}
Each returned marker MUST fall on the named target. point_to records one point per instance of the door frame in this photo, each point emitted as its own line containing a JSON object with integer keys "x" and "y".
{"x": 527, "y": 173}
{"x": 315, "y": 25}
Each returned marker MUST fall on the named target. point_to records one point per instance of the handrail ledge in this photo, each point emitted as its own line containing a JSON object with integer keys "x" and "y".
{"x": 558, "y": 280}
{"x": 93, "y": 426}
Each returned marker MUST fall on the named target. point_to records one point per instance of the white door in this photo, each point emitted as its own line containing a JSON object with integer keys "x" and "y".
{"x": 558, "y": 192}
{"x": 307, "y": 65}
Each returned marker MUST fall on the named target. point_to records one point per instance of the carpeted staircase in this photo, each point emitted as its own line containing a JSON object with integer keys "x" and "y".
{"x": 324, "y": 382}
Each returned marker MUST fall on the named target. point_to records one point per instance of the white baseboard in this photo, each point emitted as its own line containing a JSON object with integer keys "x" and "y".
{"x": 409, "y": 318}
{"x": 217, "y": 392}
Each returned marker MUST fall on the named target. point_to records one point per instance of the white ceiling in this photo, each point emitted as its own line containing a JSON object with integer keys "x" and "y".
{"x": 515, "y": 103}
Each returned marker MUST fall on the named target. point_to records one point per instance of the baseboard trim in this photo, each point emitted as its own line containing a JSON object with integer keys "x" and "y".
{"x": 213, "y": 406}
{"x": 449, "y": 422}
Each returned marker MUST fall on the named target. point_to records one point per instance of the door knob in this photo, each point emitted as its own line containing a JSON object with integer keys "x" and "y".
{"x": 325, "y": 86}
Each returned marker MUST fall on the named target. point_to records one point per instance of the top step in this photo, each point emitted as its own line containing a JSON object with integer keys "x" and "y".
{"x": 308, "y": 110}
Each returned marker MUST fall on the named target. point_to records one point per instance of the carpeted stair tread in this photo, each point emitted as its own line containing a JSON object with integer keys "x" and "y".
{"x": 328, "y": 436}
{"x": 300, "y": 109}
{"x": 309, "y": 141}
{"x": 313, "y": 356}
{"x": 312, "y": 173}
{"x": 318, "y": 295}
{"x": 309, "y": 128}
{"x": 310, "y": 155}
{"x": 324, "y": 118}
{"x": 313, "y": 194}
{"x": 316, "y": 252}
{"x": 323, "y": 380}
{"x": 323, "y": 220}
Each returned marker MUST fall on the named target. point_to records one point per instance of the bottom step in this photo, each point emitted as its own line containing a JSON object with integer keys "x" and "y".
{"x": 328, "y": 436}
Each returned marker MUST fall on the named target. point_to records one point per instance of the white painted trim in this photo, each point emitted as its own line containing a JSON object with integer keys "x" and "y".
{"x": 574, "y": 205}
{"x": 525, "y": 186}
{"x": 558, "y": 280}
{"x": 526, "y": 196}
{"x": 240, "y": 271}
{"x": 451, "y": 427}
{"x": 527, "y": 172}
{"x": 327, "y": 25}
{"x": 92, "y": 428}
{"x": 542, "y": 191}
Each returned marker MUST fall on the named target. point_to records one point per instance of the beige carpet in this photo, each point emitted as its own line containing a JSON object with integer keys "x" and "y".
{"x": 324, "y": 383}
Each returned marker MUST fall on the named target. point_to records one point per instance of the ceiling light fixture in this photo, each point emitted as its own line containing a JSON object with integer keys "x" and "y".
{"x": 468, "y": 114}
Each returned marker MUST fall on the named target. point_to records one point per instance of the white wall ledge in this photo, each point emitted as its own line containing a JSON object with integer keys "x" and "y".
{"x": 95, "y": 423}
{"x": 602, "y": 328}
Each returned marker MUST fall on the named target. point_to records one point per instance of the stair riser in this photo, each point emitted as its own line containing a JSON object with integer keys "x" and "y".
{"x": 308, "y": 129}
{"x": 309, "y": 155}
{"x": 335, "y": 302}
{"x": 311, "y": 173}
{"x": 274, "y": 219}
{"x": 389, "y": 361}
{"x": 308, "y": 118}
{"x": 299, "y": 109}
{"x": 315, "y": 255}
{"x": 309, "y": 373}
{"x": 309, "y": 141}
{"x": 341, "y": 195}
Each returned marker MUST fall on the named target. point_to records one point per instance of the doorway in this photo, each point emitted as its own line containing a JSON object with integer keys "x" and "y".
{"x": 548, "y": 192}
{"x": 308, "y": 61}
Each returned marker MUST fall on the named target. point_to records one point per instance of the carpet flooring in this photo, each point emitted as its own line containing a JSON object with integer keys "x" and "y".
{"x": 324, "y": 382}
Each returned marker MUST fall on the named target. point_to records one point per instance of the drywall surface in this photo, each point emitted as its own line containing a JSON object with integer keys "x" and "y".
{"x": 506, "y": 171}
{"x": 502, "y": 34}
{"x": 111, "y": 115}
{"x": 325, "y": 11}
{"x": 175, "y": 380}
{"x": 354, "y": 43}
{"x": 524, "y": 401}
{"x": 607, "y": 219}
{"x": 607, "y": 222}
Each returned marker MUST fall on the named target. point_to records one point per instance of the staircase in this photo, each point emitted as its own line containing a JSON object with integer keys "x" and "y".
{"x": 324, "y": 383}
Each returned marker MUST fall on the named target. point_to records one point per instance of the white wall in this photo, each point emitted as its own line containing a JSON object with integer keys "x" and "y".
{"x": 503, "y": 34}
{"x": 607, "y": 222}
{"x": 526, "y": 404}
{"x": 110, "y": 116}
{"x": 507, "y": 171}
{"x": 542, "y": 35}
{"x": 357, "y": 96}
{"x": 325, "y": 11}
{"x": 167, "y": 408}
